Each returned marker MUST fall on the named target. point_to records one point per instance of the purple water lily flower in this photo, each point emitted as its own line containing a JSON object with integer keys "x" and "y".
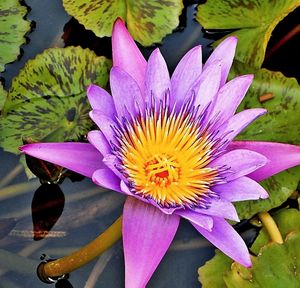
{"x": 166, "y": 143}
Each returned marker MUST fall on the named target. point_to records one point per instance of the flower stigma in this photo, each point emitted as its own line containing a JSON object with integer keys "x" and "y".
{"x": 165, "y": 154}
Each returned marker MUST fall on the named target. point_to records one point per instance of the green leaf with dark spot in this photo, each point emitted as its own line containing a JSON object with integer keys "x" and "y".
{"x": 252, "y": 20}
{"x": 13, "y": 29}
{"x": 280, "y": 124}
{"x": 148, "y": 21}
{"x": 211, "y": 274}
{"x": 287, "y": 220}
{"x": 276, "y": 265}
{"x": 47, "y": 100}
{"x": 2, "y": 96}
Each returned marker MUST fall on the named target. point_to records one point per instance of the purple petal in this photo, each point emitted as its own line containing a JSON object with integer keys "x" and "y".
{"x": 101, "y": 100}
{"x": 240, "y": 162}
{"x": 220, "y": 208}
{"x": 104, "y": 123}
{"x": 186, "y": 73}
{"x": 225, "y": 52}
{"x": 98, "y": 140}
{"x": 82, "y": 158}
{"x": 240, "y": 121}
{"x": 157, "y": 81}
{"x": 147, "y": 234}
{"x": 241, "y": 189}
{"x": 224, "y": 237}
{"x": 280, "y": 156}
{"x": 126, "y": 92}
{"x": 208, "y": 84}
{"x": 107, "y": 179}
{"x": 230, "y": 96}
{"x": 201, "y": 220}
{"x": 126, "y": 54}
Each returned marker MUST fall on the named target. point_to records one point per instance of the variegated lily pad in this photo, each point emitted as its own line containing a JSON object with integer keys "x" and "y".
{"x": 2, "y": 96}
{"x": 275, "y": 265}
{"x": 252, "y": 21}
{"x": 148, "y": 21}
{"x": 280, "y": 124}
{"x": 13, "y": 27}
{"x": 47, "y": 100}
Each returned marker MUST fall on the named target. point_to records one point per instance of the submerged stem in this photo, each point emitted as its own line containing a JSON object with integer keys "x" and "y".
{"x": 85, "y": 254}
{"x": 271, "y": 227}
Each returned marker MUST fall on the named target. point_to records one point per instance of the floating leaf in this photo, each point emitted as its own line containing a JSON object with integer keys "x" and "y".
{"x": 2, "y": 96}
{"x": 280, "y": 124}
{"x": 287, "y": 220}
{"x": 47, "y": 100}
{"x": 252, "y": 20}
{"x": 211, "y": 274}
{"x": 148, "y": 21}
{"x": 277, "y": 265}
{"x": 13, "y": 29}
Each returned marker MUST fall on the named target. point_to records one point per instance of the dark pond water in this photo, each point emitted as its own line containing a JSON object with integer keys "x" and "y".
{"x": 88, "y": 210}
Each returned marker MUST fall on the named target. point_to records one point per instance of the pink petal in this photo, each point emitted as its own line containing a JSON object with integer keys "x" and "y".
{"x": 101, "y": 100}
{"x": 98, "y": 140}
{"x": 240, "y": 162}
{"x": 186, "y": 73}
{"x": 280, "y": 156}
{"x": 107, "y": 179}
{"x": 201, "y": 220}
{"x": 208, "y": 84}
{"x": 220, "y": 208}
{"x": 230, "y": 97}
{"x": 240, "y": 189}
{"x": 240, "y": 121}
{"x": 104, "y": 123}
{"x": 126, "y": 54}
{"x": 224, "y": 237}
{"x": 225, "y": 52}
{"x": 157, "y": 81}
{"x": 82, "y": 158}
{"x": 147, "y": 234}
{"x": 126, "y": 92}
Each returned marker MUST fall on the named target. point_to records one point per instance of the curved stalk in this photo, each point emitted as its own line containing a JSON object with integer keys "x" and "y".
{"x": 271, "y": 227}
{"x": 77, "y": 259}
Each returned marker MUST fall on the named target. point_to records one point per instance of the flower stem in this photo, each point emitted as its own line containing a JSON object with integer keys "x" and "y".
{"x": 271, "y": 227}
{"x": 75, "y": 260}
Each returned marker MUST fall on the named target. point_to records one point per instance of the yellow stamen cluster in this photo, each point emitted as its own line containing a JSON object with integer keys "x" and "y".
{"x": 165, "y": 157}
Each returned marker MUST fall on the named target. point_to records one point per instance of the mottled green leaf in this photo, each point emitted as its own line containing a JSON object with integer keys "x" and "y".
{"x": 148, "y": 21}
{"x": 2, "y": 96}
{"x": 276, "y": 265}
{"x": 287, "y": 220}
{"x": 280, "y": 124}
{"x": 47, "y": 100}
{"x": 12, "y": 31}
{"x": 252, "y": 20}
{"x": 211, "y": 274}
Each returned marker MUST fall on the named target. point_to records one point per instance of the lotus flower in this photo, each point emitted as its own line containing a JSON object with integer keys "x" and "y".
{"x": 167, "y": 144}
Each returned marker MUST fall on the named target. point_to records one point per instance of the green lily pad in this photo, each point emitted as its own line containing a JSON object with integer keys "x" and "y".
{"x": 280, "y": 124}
{"x": 277, "y": 265}
{"x": 47, "y": 100}
{"x": 211, "y": 274}
{"x": 148, "y": 21}
{"x": 287, "y": 220}
{"x": 13, "y": 29}
{"x": 2, "y": 96}
{"x": 252, "y": 20}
